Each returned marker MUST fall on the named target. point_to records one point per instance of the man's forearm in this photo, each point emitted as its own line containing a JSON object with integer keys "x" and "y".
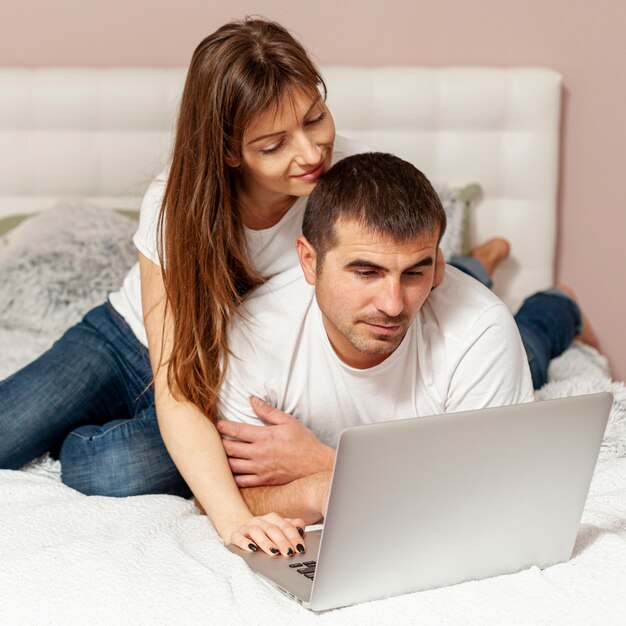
{"x": 305, "y": 498}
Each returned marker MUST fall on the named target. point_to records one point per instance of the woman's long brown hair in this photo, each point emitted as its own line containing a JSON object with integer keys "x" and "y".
{"x": 237, "y": 73}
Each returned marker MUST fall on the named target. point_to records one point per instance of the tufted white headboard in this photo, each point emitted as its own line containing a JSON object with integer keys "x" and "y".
{"x": 102, "y": 134}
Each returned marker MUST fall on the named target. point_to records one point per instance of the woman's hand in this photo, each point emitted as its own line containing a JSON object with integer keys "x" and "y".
{"x": 275, "y": 454}
{"x": 272, "y": 534}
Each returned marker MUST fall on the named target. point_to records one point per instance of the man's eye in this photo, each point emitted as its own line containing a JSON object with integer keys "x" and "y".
{"x": 413, "y": 274}
{"x": 365, "y": 273}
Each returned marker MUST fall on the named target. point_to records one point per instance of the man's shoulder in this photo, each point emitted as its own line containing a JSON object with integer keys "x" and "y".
{"x": 461, "y": 301}
{"x": 473, "y": 338}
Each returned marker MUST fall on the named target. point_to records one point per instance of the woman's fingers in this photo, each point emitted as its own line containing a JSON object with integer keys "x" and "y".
{"x": 278, "y": 540}
{"x": 294, "y": 531}
{"x": 260, "y": 537}
{"x": 242, "y": 541}
{"x": 271, "y": 534}
{"x": 288, "y": 528}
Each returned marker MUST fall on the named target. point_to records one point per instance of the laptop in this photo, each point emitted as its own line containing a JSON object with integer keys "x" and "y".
{"x": 427, "y": 502}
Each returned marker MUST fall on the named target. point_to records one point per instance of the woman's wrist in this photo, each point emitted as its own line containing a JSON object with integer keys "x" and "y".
{"x": 226, "y": 527}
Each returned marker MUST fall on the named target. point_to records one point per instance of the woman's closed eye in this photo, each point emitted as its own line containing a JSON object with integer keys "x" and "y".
{"x": 316, "y": 120}
{"x": 278, "y": 145}
{"x": 273, "y": 148}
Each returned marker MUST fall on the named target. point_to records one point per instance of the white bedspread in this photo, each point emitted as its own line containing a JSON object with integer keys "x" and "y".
{"x": 66, "y": 558}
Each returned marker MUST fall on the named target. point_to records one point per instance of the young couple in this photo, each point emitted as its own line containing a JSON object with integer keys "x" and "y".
{"x": 362, "y": 322}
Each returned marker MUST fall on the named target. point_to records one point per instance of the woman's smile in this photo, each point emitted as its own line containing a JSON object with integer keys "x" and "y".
{"x": 312, "y": 174}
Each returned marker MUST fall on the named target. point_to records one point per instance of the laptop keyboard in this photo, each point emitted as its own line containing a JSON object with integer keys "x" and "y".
{"x": 306, "y": 568}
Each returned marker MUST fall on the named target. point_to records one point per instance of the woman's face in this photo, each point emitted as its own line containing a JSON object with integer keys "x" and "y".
{"x": 286, "y": 150}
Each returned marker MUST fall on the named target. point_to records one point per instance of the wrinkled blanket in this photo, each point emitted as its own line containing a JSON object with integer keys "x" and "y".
{"x": 66, "y": 558}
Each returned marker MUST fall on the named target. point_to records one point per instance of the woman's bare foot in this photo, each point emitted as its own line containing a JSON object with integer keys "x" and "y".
{"x": 491, "y": 253}
{"x": 587, "y": 334}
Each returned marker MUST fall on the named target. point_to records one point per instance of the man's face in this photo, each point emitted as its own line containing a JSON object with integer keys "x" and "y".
{"x": 369, "y": 289}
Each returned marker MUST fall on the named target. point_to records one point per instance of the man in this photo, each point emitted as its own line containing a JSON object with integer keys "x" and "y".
{"x": 356, "y": 336}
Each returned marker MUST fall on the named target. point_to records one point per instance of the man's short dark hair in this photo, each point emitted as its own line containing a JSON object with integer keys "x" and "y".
{"x": 383, "y": 193}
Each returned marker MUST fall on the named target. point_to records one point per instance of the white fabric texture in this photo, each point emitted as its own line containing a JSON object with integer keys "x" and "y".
{"x": 271, "y": 250}
{"x": 462, "y": 352}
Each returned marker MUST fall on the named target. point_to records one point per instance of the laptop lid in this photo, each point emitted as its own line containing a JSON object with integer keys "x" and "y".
{"x": 428, "y": 502}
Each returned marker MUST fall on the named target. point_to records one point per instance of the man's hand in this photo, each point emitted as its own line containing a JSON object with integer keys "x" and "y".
{"x": 275, "y": 454}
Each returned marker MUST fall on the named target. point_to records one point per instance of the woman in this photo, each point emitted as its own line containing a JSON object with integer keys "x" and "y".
{"x": 253, "y": 135}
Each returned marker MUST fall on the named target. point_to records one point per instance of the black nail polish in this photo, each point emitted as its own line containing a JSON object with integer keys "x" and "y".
{"x": 300, "y": 530}
{"x": 290, "y": 552}
{"x": 274, "y": 550}
{"x": 300, "y": 548}
{"x": 252, "y": 547}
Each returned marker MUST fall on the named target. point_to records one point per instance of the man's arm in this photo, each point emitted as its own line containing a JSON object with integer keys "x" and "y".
{"x": 304, "y": 498}
{"x": 275, "y": 454}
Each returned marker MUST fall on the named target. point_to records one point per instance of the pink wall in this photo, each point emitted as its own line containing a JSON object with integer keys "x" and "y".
{"x": 582, "y": 40}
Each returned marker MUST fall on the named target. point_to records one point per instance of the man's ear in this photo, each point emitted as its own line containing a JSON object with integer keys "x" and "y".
{"x": 440, "y": 269}
{"x": 308, "y": 259}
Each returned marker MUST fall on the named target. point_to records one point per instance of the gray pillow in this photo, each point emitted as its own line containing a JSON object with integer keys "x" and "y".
{"x": 60, "y": 263}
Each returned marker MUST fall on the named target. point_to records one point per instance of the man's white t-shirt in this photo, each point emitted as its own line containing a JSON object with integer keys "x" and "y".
{"x": 271, "y": 250}
{"x": 463, "y": 351}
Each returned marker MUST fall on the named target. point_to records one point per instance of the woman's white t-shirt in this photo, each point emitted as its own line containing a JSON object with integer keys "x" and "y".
{"x": 271, "y": 250}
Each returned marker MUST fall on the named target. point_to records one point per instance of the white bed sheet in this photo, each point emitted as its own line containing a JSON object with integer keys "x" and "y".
{"x": 66, "y": 558}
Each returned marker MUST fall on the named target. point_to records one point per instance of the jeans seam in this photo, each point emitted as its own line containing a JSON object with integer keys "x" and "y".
{"x": 100, "y": 435}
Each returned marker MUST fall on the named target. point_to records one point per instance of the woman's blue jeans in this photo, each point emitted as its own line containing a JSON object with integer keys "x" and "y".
{"x": 90, "y": 401}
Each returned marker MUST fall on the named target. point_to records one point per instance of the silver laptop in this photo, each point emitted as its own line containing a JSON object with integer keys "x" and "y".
{"x": 427, "y": 502}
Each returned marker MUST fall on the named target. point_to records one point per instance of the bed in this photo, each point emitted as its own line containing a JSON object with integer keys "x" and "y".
{"x": 77, "y": 149}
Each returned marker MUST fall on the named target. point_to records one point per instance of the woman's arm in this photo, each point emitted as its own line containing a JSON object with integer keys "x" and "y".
{"x": 194, "y": 443}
